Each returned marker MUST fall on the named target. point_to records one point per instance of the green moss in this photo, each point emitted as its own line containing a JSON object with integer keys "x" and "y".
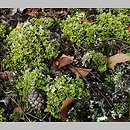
{"x": 2, "y": 115}
{"x": 61, "y": 88}
{"x": 99, "y": 60}
{"x": 30, "y": 80}
{"x": 4, "y": 31}
{"x": 30, "y": 45}
{"x": 114, "y": 11}
{"x": 86, "y": 33}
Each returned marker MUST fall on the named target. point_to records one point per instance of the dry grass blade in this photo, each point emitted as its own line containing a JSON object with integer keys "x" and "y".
{"x": 118, "y": 58}
{"x": 65, "y": 107}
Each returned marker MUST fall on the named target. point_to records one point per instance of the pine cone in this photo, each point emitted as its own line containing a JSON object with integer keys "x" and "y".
{"x": 36, "y": 99}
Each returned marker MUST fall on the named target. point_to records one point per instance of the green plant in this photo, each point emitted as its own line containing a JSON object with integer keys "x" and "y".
{"x": 114, "y": 11}
{"x": 4, "y": 31}
{"x": 99, "y": 60}
{"x": 31, "y": 44}
{"x": 30, "y": 80}
{"x": 2, "y": 115}
{"x": 61, "y": 88}
{"x": 86, "y": 33}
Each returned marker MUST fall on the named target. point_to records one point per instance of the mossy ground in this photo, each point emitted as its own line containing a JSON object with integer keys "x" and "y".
{"x": 91, "y": 36}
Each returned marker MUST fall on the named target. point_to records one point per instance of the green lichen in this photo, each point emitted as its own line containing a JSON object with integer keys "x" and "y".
{"x": 61, "y": 88}
{"x": 30, "y": 45}
{"x": 99, "y": 60}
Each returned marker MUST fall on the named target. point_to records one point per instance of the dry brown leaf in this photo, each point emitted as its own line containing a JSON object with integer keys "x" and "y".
{"x": 80, "y": 72}
{"x": 3, "y": 75}
{"x": 33, "y": 12}
{"x": 62, "y": 61}
{"x": 66, "y": 106}
{"x": 128, "y": 27}
{"x": 18, "y": 110}
{"x": 118, "y": 58}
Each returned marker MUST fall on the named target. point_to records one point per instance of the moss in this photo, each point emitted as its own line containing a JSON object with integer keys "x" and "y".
{"x": 30, "y": 80}
{"x": 99, "y": 60}
{"x": 30, "y": 45}
{"x": 4, "y": 31}
{"x": 114, "y": 11}
{"x": 61, "y": 88}
{"x": 2, "y": 115}
{"x": 86, "y": 33}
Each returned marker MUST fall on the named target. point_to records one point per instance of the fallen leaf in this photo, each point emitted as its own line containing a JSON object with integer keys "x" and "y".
{"x": 7, "y": 75}
{"x": 118, "y": 58}
{"x": 62, "y": 61}
{"x": 18, "y": 110}
{"x": 128, "y": 27}
{"x": 32, "y": 12}
{"x": 80, "y": 72}
{"x": 88, "y": 20}
{"x": 66, "y": 106}
{"x": 3, "y": 75}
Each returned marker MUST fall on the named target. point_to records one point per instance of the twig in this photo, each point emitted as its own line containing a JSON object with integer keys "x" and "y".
{"x": 120, "y": 40}
{"x": 104, "y": 97}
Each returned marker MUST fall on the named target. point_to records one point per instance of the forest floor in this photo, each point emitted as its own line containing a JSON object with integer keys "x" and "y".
{"x": 91, "y": 50}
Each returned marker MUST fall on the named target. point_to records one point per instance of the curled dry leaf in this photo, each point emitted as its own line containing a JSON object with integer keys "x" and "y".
{"x": 128, "y": 27}
{"x": 80, "y": 72}
{"x": 118, "y": 58}
{"x": 18, "y": 110}
{"x": 62, "y": 61}
{"x": 66, "y": 106}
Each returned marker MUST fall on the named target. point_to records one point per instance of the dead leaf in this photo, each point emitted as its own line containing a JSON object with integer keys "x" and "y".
{"x": 118, "y": 58}
{"x": 128, "y": 27}
{"x": 80, "y": 72}
{"x": 88, "y": 20}
{"x": 7, "y": 75}
{"x": 18, "y": 110}
{"x": 66, "y": 106}
{"x": 32, "y": 12}
{"x": 3, "y": 75}
{"x": 62, "y": 61}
